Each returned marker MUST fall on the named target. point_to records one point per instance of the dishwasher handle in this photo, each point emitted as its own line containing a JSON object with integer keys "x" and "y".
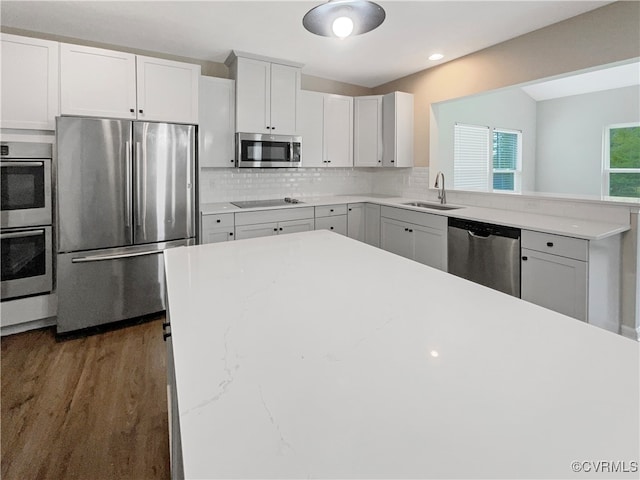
{"x": 480, "y": 235}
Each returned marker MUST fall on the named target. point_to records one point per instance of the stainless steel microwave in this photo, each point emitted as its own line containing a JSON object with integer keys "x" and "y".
{"x": 254, "y": 150}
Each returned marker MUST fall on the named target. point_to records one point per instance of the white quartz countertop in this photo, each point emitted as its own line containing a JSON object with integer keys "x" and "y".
{"x": 312, "y": 355}
{"x": 559, "y": 225}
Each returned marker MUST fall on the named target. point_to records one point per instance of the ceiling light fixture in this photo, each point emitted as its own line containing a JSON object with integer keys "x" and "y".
{"x": 342, "y": 18}
{"x": 436, "y": 56}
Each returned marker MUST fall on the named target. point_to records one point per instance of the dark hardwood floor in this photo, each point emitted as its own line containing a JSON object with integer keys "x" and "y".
{"x": 87, "y": 408}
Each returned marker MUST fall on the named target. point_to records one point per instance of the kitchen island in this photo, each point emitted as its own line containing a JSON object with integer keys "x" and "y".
{"x": 312, "y": 355}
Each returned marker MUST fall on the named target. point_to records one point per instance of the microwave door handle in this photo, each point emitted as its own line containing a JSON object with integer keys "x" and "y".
{"x": 21, "y": 164}
{"x": 291, "y": 152}
{"x": 30, "y": 233}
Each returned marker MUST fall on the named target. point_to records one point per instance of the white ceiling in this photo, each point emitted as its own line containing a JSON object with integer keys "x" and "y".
{"x": 209, "y": 30}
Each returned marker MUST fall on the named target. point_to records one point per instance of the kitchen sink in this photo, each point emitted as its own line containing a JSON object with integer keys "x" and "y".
{"x": 434, "y": 206}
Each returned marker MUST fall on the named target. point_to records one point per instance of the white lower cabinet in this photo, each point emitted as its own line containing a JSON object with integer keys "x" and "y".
{"x": 356, "y": 221}
{"x": 273, "y": 222}
{"x": 216, "y": 228}
{"x": 579, "y": 278}
{"x": 333, "y": 218}
{"x": 415, "y": 235}
{"x": 555, "y": 282}
{"x": 372, "y": 224}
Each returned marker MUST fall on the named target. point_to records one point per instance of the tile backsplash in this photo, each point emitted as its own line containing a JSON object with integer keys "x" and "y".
{"x": 227, "y": 184}
{"x": 230, "y": 184}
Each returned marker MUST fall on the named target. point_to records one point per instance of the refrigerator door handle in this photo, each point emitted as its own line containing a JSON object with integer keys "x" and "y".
{"x": 128, "y": 167}
{"x": 139, "y": 185}
{"x": 98, "y": 258}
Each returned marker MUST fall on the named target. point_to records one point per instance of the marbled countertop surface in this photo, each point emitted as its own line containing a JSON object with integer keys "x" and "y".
{"x": 559, "y": 225}
{"x": 312, "y": 355}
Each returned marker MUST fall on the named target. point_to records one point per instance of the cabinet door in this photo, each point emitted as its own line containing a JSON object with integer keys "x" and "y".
{"x": 285, "y": 85}
{"x": 555, "y": 282}
{"x": 355, "y": 221}
{"x": 397, "y": 130}
{"x": 293, "y": 226}
{"x": 167, "y": 90}
{"x": 216, "y": 236}
{"x": 29, "y": 83}
{"x": 338, "y": 131}
{"x": 310, "y": 118}
{"x": 430, "y": 246}
{"x": 396, "y": 238}
{"x": 216, "y": 129}
{"x": 337, "y": 224}
{"x": 259, "y": 230}
{"x": 96, "y": 82}
{"x": 372, "y": 224}
{"x": 367, "y": 131}
{"x": 253, "y": 96}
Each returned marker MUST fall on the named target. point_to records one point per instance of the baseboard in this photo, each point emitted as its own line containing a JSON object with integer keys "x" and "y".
{"x": 24, "y": 327}
{"x": 630, "y": 332}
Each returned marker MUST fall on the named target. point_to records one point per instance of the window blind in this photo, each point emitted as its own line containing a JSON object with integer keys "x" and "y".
{"x": 472, "y": 151}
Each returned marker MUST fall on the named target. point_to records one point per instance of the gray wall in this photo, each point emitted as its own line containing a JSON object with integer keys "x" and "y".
{"x": 509, "y": 108}
{"x": 570, "y": 136}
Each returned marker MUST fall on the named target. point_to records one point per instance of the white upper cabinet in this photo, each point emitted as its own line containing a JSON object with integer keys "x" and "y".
{"x": 29, "y": 83}
{"x": 266, "y": 95}
{"x": 367, "y": 131}
{"x": 338, "y": 131}
{"x": 397, "y": 130}
{"x": 326, "y": 127}
{"x": 105, "y": 83}
{"x": 97, "y": 82}
{"x": 167, "y": 90}
{"x": 310, "y": 127}
{"x": 216, "y": 112}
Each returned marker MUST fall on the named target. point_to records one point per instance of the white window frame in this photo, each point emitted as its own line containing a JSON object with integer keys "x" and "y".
{"x": 606, "y": 156}
{"x": 488, "y": 160}
{"x": 517, "y": 177}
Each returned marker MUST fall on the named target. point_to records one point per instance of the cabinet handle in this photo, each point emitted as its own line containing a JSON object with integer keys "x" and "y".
{"x": 549, "y": 244}
{"x": 392, "y": 161}
{"x": 524, "y": 259}
{"x": 165, "y": 325}
{"x": 132, "y": 110}
{"x": 349, "y": 209}
{"x": 330, "y": 228}
{"x": 268, "y": 127}
{"x": 218, "y": 221}
{"x": 410, "y": 231}
{"x": 331, "y": 210}
{"x": 232, "y": 160}
{"x": 280, "y": 228}
{"x": 165, "y": 336}
{"x": 231, "y": 234}
{"x": 406, "y": 229}
{"x": 141, "y": 111}
{"x": 275, "y": 229}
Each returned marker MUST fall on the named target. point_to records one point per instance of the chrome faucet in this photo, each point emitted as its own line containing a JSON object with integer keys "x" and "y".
{"x": 442, "y": 195}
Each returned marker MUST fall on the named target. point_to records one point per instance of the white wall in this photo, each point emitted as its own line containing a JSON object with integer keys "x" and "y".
{"x": 509, "y": 108}
{"x": 570, "y": 134}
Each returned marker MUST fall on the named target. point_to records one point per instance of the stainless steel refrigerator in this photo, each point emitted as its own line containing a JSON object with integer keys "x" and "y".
{"x": 125, "y": 192}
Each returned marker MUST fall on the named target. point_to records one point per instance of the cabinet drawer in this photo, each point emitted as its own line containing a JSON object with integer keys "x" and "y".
{"x": 568, "y": 247}
{"x": 430, "y": 220}
{"x": 331, "y": 210}
{"x": 220, "y": 220}
{"x": 275, "y": 215}
{"x": 336, "y": 224}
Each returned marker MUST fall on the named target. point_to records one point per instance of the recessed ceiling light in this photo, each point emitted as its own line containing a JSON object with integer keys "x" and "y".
{"x": 436, "y": 56}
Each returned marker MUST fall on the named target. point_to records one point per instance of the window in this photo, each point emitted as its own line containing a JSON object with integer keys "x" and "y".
{"x": 487, "y": 159}
{"x": 621, "y": 176}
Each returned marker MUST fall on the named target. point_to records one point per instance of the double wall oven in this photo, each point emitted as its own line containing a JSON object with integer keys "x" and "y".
{"x": 26, "y": 219}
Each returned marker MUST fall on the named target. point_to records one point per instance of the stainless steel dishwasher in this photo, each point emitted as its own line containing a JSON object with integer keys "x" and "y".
{"x": 486, "y": 254}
